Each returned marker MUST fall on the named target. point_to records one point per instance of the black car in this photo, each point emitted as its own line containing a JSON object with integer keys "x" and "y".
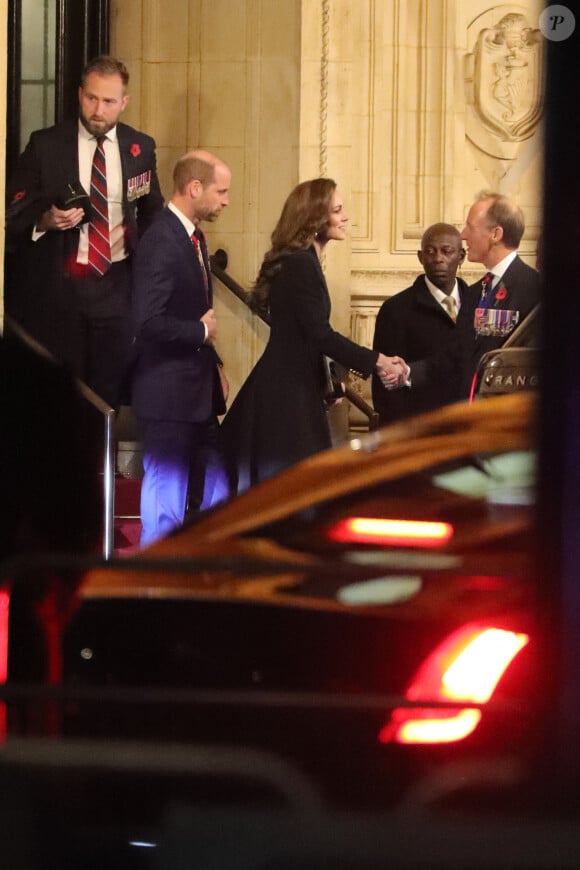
{"x": 361, "y": 633}
{"x": 323, "y": 625}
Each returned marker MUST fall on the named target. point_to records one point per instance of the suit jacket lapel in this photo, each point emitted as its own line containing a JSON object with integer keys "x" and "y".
{"x": 206, "y": 260}
{"x": 181, "y": 237}
{"x": 73, "y": 143}
{"x": 314, "y": 256}
{"x": 425, "y": 299}
{"x": 501, "y": 296}
{"x": 506, "y": 286}
{"x": 123, "y": 140}
{"x": 68, "y": 151}
{"x": 187, "y": 248}
{"x": 66, "y": 163}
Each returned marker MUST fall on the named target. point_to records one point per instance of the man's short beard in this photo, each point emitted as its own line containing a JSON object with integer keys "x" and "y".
{"x": 96, "y": 131}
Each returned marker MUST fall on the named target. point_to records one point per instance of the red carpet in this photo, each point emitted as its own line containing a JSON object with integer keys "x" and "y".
{"x": 127, "y": 515}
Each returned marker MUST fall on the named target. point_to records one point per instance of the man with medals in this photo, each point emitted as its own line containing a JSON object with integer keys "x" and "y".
{"x": 510, "y": 288}
{"x": 493, "y": 306}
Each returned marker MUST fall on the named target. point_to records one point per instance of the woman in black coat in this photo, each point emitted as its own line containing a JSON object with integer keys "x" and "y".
{"x": 279, "y": 415}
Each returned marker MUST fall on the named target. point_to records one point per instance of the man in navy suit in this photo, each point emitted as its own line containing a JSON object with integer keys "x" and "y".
{"x": 176, "y": 387}
{"x": 81, "y": 314}
{"x": 510, "y": 289}
{"x": 419, "y": 322}
{"x": 493, "y": 307}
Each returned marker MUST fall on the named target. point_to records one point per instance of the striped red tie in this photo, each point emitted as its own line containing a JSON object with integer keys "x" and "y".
{"x": 99, "y": 238}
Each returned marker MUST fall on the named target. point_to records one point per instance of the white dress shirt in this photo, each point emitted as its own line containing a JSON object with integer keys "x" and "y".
{"x": 501, "y": 268}
{"x": 87, "y": 146}
{"x": 440, "y": 296}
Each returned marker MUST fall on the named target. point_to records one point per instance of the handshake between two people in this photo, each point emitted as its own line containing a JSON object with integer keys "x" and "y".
{"x": 393, "y": 371}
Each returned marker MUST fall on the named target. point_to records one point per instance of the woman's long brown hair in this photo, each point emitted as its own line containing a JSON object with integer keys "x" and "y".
{"x": 304, "y": 215}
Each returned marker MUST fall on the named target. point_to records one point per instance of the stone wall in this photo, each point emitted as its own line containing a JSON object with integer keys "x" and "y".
{"x": 413, "y": 106}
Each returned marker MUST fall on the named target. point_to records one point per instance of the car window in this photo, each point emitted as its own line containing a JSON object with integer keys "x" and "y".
{"x": 504, "y": 478}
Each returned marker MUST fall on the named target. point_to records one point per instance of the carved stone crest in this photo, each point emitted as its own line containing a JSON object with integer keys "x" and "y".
{"x": 504, "y": 85}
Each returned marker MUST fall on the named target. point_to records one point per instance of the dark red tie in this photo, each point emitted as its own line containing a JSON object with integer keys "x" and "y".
{"x": 198, "y": 251}
{"x": 99, "y": 238}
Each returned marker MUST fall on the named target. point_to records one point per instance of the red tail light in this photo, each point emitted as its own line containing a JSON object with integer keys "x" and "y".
{"x": 400, "y": 533}
{"x": 467, "y": 666}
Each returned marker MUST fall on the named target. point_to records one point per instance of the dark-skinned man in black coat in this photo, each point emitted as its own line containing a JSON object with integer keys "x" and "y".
{"x": 419, "y": 321}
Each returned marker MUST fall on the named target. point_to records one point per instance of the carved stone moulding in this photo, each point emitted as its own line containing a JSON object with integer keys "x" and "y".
{"x": 371, "y": 284}
{"x": 503, "y": 81}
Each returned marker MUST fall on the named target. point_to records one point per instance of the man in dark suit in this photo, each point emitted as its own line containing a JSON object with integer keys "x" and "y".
{"x": 510, "y": 288}
{"x": 418, "y": 322}
{"x": 492, "y": 308}
{"x": 74, "y": 304}
{"x": 176, "y": 386}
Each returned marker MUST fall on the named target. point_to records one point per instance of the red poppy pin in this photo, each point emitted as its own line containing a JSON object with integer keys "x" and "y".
{"x": 18, "y": 196}
{"x": 501, "y": 293}
{"x": 135, "y": 149}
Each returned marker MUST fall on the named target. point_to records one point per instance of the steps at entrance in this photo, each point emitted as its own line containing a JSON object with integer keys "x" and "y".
{"x": 127, "y": 526}
{"x": 127, "y": 514}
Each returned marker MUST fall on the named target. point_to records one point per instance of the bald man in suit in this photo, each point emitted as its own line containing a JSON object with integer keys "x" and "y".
{"x": 492, "y": 307}
{"x": 510, "y": 289}
{"x": 420, "y": 321}
{"x": 176, "y": 387}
